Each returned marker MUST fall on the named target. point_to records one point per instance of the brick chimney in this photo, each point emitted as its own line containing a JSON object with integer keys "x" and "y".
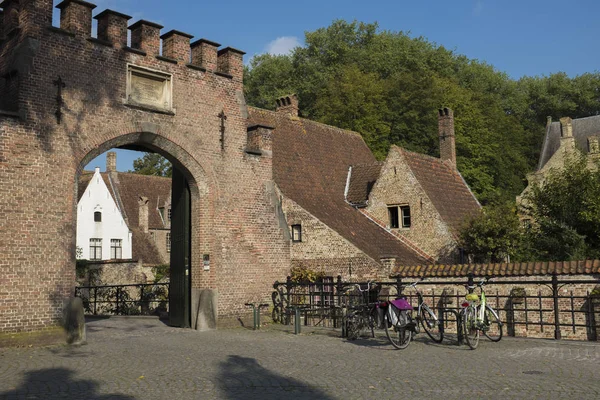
{"x": 446, "y": 136}
{"x": 288, "y": 104}
{"x": 566, "y": 127}
{"x": 143, "y": 214}
{"x": 111, "y": 161}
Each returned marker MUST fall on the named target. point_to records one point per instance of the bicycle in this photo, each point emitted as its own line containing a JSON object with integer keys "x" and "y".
{"x": 364, "y": 316}
{"x": 478, "y": 316}
{"x": 400, "y": 320}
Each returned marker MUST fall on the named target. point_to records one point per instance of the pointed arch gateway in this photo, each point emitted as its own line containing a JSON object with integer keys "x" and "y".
{"x": 190, "y": 197}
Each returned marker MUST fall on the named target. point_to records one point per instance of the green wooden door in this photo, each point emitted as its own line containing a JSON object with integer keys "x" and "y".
{"x": 180, "y": 270}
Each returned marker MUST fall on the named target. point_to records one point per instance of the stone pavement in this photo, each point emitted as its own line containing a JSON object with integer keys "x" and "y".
{"x": 144, "y": 359}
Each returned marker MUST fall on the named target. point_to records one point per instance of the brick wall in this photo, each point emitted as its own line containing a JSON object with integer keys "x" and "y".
{"x": 233, "y": 218}
{"x": 323, "y": 249}
{"x": 397, "y": 185}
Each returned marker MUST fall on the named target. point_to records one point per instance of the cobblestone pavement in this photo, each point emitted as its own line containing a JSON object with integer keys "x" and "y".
{"x": 144, "y": 359}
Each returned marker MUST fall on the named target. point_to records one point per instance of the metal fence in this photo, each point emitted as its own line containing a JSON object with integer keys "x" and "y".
{"x": 548, "y": 311}
{"x": 137, "y": 299}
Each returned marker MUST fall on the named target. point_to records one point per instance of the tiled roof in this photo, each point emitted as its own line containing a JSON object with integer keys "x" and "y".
{"x": 130, "y": 188}
{"x": 133, "y": 186}
{"x": 500, "y": 270}
{"x": 145, "y": 249}
{"x": 444, "y": 186}
{"x": 362, "y": 179}
{"x": 582, "y": 129}
{"x": 310, "y": 166}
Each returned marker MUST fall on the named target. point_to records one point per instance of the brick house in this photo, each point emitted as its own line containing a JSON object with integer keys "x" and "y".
{"x": 135, "y": 225}
{"x": 565, "y": 139}
{"x": 351, "y": 215}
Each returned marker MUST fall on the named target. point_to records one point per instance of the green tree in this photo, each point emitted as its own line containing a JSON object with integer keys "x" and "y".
{"x": 565, "y": 210}
{"x": 493, "y": 235}
{"x": 387, "y": 86}
{"x": 152, "y": 164}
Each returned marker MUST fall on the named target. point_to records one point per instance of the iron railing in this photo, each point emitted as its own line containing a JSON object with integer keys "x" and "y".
{"x": 136, "y": 299}
{"x": 548, "y": 311}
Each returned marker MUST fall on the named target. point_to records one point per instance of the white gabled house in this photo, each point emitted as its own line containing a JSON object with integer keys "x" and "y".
{"x": 102, "y": 233}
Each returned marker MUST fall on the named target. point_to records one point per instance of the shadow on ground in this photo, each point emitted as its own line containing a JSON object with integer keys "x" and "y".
{"x": 55, "y": 383}
{"x": 243, "y": 377}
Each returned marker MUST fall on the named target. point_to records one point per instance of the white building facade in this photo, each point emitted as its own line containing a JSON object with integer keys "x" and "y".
{"x": 102, "y": 233}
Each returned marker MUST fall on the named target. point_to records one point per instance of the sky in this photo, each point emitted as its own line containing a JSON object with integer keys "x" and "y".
{"x": 520, "y": 38}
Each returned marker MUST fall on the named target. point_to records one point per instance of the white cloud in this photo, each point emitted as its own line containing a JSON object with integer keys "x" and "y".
{"x": 282, "y": 45}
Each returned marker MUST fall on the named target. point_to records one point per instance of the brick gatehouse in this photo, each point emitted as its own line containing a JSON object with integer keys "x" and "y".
{"x": 67, "y": 97}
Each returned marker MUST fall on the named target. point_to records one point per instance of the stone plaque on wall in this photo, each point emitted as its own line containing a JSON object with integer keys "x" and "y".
{"x": 148, "y": 88}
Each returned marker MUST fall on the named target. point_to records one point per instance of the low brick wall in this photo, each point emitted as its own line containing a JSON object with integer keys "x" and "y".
{"x": 122, "y": 272}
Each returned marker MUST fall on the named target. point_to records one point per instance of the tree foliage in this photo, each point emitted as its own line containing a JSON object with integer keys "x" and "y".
{"x": 494, "y": 235}
{"x": 153, "y": 164}
{"x": 388, "y": 85}
{"x": 565, "y": 211}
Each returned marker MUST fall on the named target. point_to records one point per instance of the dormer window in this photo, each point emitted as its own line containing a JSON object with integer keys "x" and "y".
{"x": 97, "y": 216}
{"x": 399, "y": 216}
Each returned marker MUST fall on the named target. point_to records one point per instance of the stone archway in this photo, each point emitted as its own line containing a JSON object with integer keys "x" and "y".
{"x": 190, "y": 191}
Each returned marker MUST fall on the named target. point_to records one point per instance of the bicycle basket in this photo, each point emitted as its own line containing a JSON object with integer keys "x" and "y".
{"x": 401, "y": 304}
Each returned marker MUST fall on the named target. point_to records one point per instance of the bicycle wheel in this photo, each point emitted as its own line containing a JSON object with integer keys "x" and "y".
{"x": 470, "y": 327}
{"x": 397, "y": 333}
{"x": 492, "y": 325}
{"x": 431, "y": 324}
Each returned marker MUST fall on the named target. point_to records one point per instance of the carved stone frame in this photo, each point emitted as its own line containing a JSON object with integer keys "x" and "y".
{"x": 151, "y": 77}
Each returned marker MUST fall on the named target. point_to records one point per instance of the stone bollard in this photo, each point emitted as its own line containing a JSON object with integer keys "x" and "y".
{"x": 74, "y": 321}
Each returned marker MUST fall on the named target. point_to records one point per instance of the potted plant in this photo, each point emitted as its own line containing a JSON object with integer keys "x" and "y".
{"x": 517, "y": 295}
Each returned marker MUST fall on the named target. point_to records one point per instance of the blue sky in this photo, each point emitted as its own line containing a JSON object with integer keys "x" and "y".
{"x": 526, "y": 37}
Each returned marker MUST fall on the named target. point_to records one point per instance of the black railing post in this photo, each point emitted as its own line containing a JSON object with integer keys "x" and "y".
{"x": 557, "y": 334}
{"x": 117, "y": 294}
{"x": 591, "y": 319}
{"x": 95, "y": 300}
{"x": 398, "y": 285}
{"x": 470, "y": 283}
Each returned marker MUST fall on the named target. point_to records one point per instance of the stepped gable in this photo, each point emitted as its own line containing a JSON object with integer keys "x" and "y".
{"x": 133, "y": 186}
{"x": 444, "y": 186}
{"x": 310, "y": 166}
{"x": 362, "y": 179}
{"x": 583, "y": 128}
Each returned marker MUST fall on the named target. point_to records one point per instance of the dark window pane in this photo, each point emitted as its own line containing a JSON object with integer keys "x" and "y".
{"x": 393, "y": 213}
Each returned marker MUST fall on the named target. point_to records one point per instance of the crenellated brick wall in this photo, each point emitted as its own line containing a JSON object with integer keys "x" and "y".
{"x": 44, "y": 145}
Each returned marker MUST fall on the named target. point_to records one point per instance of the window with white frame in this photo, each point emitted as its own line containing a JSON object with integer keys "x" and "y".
{"x": 116, "y": 249}
{"x": 95, "y": 249}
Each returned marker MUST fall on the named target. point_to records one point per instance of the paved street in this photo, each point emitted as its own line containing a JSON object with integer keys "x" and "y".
{"x": 144, "y": 359}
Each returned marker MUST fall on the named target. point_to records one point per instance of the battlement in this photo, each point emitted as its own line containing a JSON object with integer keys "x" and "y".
{"x": 76, "y": 20}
